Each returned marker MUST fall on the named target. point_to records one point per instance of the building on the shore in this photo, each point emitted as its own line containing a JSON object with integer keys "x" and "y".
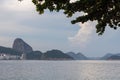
{"x": 4, "y": 56}
{"x": 23, "y": 56}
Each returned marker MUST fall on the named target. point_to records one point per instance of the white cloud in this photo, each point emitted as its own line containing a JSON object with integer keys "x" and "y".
{"x": 11, "y": 30}
{"x": 84, "y": 34}
{"x": 15, "y": 28}
{"x": 6, "y": 41}
{"x": 16, "y": 5}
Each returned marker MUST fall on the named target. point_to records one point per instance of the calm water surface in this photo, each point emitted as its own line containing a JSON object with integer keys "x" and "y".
{"x": 59, "y": 70}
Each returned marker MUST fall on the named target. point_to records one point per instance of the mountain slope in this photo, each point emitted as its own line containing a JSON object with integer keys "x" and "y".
{"x": 114, "y": 57}
{"x": 78, "y": 56}
{"x": 10, "y": 51}
{"x": 110, "y": 56}
{"x": 21, "y": 46}
{"x": 34, "y": 55}
{"x": 106, "y": 56}
{"x": 56, "y": 55}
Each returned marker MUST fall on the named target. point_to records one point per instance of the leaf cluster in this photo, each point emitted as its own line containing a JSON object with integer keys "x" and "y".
{"x": 105, "y": 12}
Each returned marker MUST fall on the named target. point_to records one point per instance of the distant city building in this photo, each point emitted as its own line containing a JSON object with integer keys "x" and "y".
{"x": 23, "y": 56}
{"x": 4, "y": 56}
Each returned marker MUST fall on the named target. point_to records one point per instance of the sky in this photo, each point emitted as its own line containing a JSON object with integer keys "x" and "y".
{"x": 53, "y": 30}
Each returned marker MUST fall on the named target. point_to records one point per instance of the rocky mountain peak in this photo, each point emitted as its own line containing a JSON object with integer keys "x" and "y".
{"x": 21, "y": 46}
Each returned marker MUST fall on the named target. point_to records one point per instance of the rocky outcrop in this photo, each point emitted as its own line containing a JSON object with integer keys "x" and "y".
{"x": 21, "y": 46}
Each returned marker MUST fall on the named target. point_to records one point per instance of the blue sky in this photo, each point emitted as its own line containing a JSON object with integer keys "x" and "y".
{"x": 52, "y": 31}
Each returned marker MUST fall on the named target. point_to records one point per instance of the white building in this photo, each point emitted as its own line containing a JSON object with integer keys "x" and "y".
{"x": 4, "y": 56}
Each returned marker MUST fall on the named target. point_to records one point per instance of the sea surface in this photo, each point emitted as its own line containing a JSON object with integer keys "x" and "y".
{"x": 59, "y": 70}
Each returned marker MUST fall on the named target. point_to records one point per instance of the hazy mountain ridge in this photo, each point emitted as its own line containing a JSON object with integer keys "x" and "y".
{"x": 22, "y": 50}
{"x": 106, "y": 56}
{"x": 56, "y": 54}
{"x": 78, "y": 56}
{"x": 111, "y": 56}
{"x": 25, "y": 51}
{"x": 34, "y": 55}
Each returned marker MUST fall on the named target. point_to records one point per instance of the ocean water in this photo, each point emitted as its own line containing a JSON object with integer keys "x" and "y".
{"x": 59, "y": 70}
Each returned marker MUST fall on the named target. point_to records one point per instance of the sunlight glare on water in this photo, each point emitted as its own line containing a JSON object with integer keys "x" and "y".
{"x": 59, "y": 70}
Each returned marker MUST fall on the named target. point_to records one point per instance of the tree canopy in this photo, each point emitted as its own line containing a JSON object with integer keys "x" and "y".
{"x": 105, "y": 12}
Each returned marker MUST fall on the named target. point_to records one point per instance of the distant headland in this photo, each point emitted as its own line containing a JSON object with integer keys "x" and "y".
{"x": 22, "y": 51}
